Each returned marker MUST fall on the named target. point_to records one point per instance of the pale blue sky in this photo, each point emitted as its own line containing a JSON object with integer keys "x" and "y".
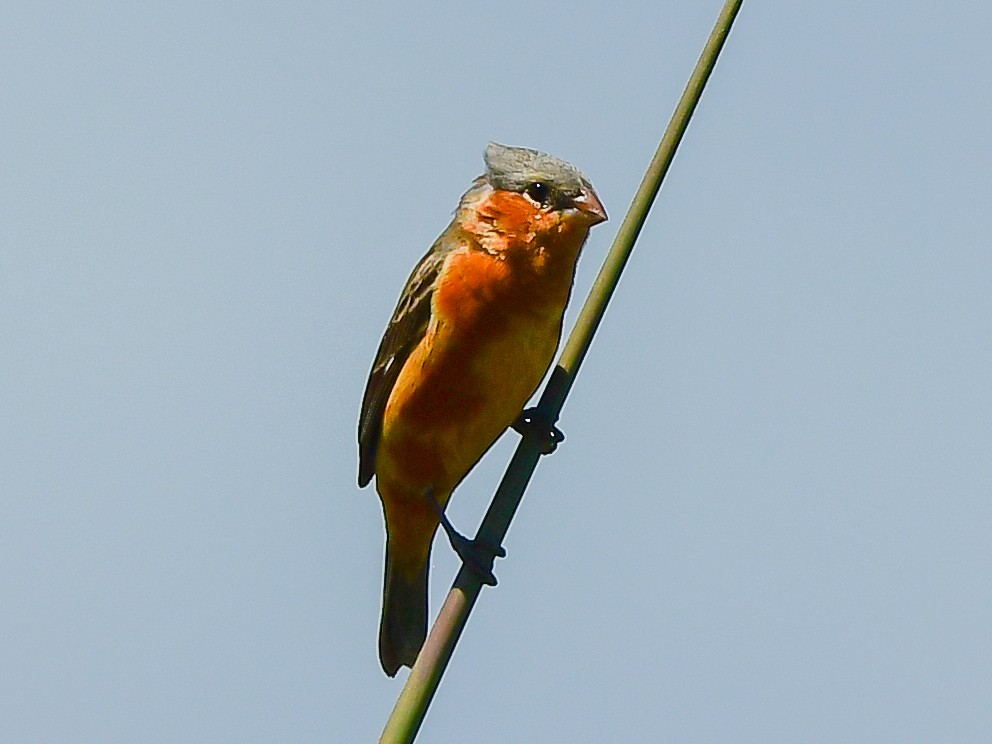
{"x": 772, "y": 518}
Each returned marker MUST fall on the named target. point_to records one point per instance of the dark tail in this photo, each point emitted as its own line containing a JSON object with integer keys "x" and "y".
{"x": 403, "y": 627}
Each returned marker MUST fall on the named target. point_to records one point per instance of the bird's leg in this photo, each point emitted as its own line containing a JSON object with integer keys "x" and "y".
{"x": 476, "y": 555}
{"x": 531, "y": 422}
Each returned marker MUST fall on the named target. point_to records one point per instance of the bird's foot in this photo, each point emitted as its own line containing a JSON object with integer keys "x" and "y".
{"x": 531, "y": 422}
{"x": 477, "y": 555}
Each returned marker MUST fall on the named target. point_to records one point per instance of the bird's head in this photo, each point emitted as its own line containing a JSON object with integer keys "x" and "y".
{"x": 530, "y": 198}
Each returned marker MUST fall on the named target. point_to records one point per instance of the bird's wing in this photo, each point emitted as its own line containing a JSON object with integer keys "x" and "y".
{"x": 406, "y": 329}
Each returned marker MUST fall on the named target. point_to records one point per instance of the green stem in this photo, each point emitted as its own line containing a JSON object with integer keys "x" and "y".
{"x": 411, "y": 707}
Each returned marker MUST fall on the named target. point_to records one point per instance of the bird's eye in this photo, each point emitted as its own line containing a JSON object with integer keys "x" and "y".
{"x": 539, "y": 192}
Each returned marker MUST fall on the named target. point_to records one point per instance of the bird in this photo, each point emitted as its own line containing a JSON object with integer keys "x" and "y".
{"x": 474, "y": 332}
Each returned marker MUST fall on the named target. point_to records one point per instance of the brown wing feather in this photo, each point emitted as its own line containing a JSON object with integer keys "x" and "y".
{"x": 405, "y": 330}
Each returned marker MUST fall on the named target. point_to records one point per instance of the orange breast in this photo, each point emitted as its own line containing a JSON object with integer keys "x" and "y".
{"x": 493, "y": 334}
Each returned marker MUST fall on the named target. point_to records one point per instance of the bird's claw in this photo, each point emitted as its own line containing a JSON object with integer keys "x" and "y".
{"x": 532, "y": 423}
{"x": 477, "y": 555}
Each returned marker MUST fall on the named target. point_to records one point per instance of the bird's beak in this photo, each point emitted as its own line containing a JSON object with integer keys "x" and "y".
{"x": 589, "y": 204}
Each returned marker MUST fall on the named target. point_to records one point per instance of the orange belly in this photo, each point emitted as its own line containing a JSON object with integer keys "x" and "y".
{"x": 492, "y": 337}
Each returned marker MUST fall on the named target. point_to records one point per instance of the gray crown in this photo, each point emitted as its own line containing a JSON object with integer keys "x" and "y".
{"x": 514, "y": 168}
